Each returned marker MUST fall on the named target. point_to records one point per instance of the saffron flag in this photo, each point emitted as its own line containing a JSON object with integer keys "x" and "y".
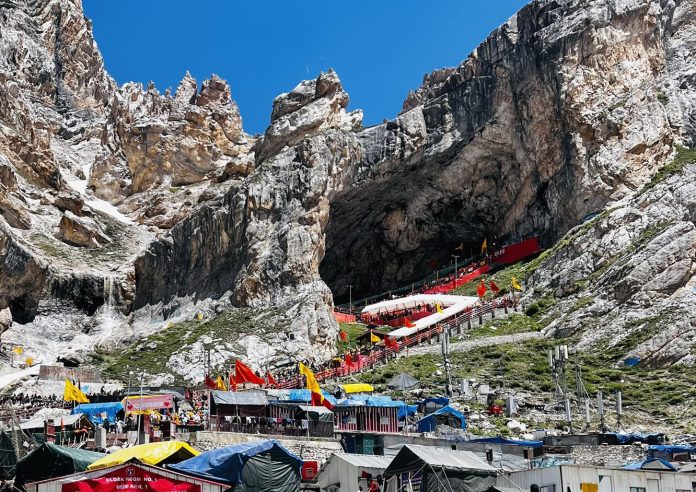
{"x": 19, "y": 350}
{"x": 72, "y": 393}
{"x": 438, "y": 308}
{"x": 484, "y": 246}
{"x": 494, "y": 287}
{"x": 343, "y": 335}
{"x": 515, "y": 284}
{"x": 270, "y": 380}
{"x": 374, "y": 338}
{"x": 29, "y": 362}
{"x": 408, "y": 323}
{"x": 481, "y": 289}
{"x": 460, "y": 247}
{"x": 244, "y": 374}
{"x": 220, "y": 384}
{"x": 391, "y": 343}
{"x": 349, "y": 360}
{"x": 313, "y": 387}
{"x": 233, "y": 383}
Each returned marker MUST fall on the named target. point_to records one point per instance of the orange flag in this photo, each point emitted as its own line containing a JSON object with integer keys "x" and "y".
{"x": 343, "y": 335}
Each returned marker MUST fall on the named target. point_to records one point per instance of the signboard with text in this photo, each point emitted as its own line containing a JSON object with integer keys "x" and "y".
{"x": 130, "y": 478}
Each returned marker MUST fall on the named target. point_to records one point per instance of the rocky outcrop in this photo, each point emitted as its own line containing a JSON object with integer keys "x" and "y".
{"x": 565, "y": 108}
{"x": 81, "y": 231}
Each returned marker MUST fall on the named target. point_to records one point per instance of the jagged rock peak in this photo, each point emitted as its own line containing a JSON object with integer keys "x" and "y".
{"x": 186, "y": 90}
{"x": 214, "y": 92}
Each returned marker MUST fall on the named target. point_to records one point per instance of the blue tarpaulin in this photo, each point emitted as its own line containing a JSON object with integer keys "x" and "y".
{"x": 637, "y": 437}
{"x": 385, "y": 401}
{"x": 509, "y": 442}
{"x": 672, "y": 448}
{"x": 304, "y": 395}
{"x": 651, "y": 464}
{"x": 429, "y": 422}
{"x": 95, "y": 411}
{"x": 227, "y": 464}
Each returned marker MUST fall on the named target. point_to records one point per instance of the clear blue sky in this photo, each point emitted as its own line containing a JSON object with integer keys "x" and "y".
{"x": 380, "y": 48}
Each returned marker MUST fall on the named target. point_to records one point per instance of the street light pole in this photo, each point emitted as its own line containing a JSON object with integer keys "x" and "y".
{"x": 455, "y": 270}
{"x": 350, "y": 298}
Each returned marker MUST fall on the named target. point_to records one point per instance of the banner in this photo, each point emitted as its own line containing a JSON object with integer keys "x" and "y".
{"x": 516, "y": 252}
{"x": 130, "y": 478}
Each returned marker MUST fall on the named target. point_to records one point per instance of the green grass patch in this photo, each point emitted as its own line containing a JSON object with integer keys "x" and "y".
{"x": 354, "y": 330}
{"x": 509, "y": 325}
{"x": 683, "y": 157}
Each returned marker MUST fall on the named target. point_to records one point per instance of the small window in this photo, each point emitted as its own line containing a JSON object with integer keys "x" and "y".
{"x": 637, "y": 489}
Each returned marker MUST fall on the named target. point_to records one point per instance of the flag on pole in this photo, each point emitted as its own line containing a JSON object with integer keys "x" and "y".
{"x": 343, "y": 335}
{"x": 220, "y": 384}
{"x": 233, "y": 382}
{"x": 484, "y": 246}
{"x": 460, "y": 247}
{"x": 19, "y": 350}
{"x": 374, "y": 338}
{"x": 71, "y": 393}
{"x": 391, "y": 343}
{"x": 481, "y": 289}
{"x": 29, "y": 362}
{"x": 408, "y": 323}
{"x": 515, "y": 284}
{"x": 494, "y": 287}
{"x": 438, "y": 308}
{"x": 244, "y": 374}
{"x": 313, "y": 387}
{"x": 270, "y": 380}
{"x": 209, "y": 382}
{"x": 349, "y": 360}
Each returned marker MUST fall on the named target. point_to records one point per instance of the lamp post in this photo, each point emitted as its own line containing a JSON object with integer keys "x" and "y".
{"x": 140, "y": 406}
{"x": 455, "y": 270}
{"x": 350, "y": 299}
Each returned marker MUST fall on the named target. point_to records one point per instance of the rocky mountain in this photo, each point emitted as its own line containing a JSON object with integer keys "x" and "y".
{"x": 124, "y": 210}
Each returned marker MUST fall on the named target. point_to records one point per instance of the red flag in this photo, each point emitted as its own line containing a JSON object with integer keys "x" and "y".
{"x": 209, "y": 382}
{"x": 391, "y": 343}
{"x": 244, "y": 374}
{"x": 270, "y": 381}
{"x": 349, "y": 360}
{"x": 494, "y": 287}
{"x": 408, "y": 323}
{"x": 233, "y": 383}
{"x": 319, "y": 400}
{"x": 343, "y": 335}
{"x": 481, "y": 289}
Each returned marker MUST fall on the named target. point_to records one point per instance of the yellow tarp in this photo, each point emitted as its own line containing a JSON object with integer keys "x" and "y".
{"x": 150, "y": 454}
{"x": 358, "y": 388}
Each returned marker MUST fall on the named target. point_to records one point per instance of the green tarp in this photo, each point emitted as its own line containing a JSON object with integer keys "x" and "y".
{"x": 8, "y": 457}
{"x": 50, "y": 460}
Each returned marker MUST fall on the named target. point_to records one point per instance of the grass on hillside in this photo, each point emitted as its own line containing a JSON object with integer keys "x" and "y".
{"x": 354, "y": 330}
{"x": 683, "y": 157}
{"x": 151, "y": 354}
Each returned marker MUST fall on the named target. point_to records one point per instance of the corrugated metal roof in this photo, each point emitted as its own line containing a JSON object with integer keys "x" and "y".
{"x": 449, "y": 458}
{"x": 366, "y": 460}
{"x": 315, "y": 409}
{"x": 251, "y": 397}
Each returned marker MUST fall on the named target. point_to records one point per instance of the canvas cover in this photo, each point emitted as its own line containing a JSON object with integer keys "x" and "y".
{"x": 446, "y": 415}
{"x": 263, "y": 466}
{"x": 403, "y": 382}
{"x": 50, "y": 460}
{"x": 98, "y": 412}
{"x": 154, "y": 453}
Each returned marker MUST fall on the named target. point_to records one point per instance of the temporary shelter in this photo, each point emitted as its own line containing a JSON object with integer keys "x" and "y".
{"x": 154, "y": 453}
{"x": 433, "y": 466}
{"x": 352, "y": 388}
{"x": 345, "y": 472}
{"x": 651, "y": 464}
{"x": 403, "y": 382}
{"x": 431, "y": 404}
{"x": 100, "y": 412}
{"x": 8, "y": 456}
{"x": 264, "y": 466}
{"x": 50, "y": 460}
{"x": 445, "y": 416}
{"x": 129, "y": 476}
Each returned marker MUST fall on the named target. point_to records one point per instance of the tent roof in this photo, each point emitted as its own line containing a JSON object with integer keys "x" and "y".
{"x": 50, "y": 460}
{"x": 225, "y": 464}
{"x": 358, "y": 388}
{"x": 151, "y": 454}
{"x": 250, "y": 397}
{"x": 410, "y": 455}
{"x": 365, "y": 460}
{"x": 94, "y": 411}
{"x": 508, "y": 442}
{"x": 403, "y": 381}
{"x": 445, "y": 411}
{"x": 651, "y": 464}
{"x": 314, "y": 409}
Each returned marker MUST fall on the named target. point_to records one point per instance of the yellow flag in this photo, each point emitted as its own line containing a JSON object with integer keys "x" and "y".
{"x": 72, "y": 393}
{"x": 374, "y": 338}
{"x": 220, "y": 384}
{"x": 515, "y": 285}
{"x": 29, "y": 362}
{"x": 438, "y": 307}
{"x": 312, "y": 384}
{"x": 19, "y": 350}
{"x": 484, "y": 246}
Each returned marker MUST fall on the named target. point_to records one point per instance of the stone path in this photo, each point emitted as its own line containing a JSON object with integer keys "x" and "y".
{"x": 465, "y": 345}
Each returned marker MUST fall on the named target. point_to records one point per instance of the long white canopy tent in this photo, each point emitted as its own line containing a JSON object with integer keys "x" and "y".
{"x": 451, "y": 306}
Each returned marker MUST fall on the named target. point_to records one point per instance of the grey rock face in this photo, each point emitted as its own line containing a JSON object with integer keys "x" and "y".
{"x": 567, "y": 107}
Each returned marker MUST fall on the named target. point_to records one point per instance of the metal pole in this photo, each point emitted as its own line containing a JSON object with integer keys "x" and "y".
{"x": 350, "y": 299}
{"x": 456, "y": 257}
{"x": 140, "y": 404}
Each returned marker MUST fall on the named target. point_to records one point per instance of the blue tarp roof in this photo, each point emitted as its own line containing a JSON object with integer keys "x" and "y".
{"x": 427, "y": 423}
{"x": 636, "y": 437}
{"x": 640, "y": 465}
{"x": 304, "y": 395}
{"x": 672, "y": 448}
{"x": 94, "y": 411}
{"x": 509, "y": 442}
{"x": 440, "y": 400}
{"x": 225, "y": 464}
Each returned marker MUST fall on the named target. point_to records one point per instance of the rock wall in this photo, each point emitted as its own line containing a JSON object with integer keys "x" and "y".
{"x": 567, "y": 107}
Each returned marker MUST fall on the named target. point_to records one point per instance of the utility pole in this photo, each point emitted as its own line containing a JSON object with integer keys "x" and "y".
{"x": 140, "y": 406}
{"x": 456, "y": 257}
{"x": 445, "y": 357}
{"x": 350, "y": 299}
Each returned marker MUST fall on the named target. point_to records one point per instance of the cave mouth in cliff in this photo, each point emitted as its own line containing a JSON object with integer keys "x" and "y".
{"x": 23, "y": 309}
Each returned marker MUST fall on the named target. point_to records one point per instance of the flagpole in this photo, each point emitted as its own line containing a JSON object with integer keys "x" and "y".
{"x": 456, "y": 257}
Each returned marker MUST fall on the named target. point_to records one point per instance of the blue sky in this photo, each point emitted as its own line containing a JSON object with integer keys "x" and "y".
{"x": 380, "y": 48}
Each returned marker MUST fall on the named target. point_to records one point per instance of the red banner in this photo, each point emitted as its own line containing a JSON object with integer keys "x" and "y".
{"x": 130, "y": 478}
{"x": 516, "y": 252}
